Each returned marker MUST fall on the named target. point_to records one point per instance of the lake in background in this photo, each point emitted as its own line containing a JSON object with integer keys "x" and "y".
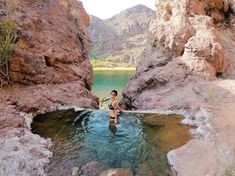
{"x": 139, "y": 142}
{"x": 107, "y": 80}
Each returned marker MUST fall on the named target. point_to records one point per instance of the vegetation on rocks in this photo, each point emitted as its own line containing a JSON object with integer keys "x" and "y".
{"x": 7, "y": 41}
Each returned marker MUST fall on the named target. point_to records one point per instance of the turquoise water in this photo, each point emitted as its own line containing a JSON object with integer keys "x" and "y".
{"x": 139, "y": 142}
{"x": 108, "y": 80}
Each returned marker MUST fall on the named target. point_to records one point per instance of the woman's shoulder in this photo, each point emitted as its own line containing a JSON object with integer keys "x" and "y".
{"x": 116, "y": 101}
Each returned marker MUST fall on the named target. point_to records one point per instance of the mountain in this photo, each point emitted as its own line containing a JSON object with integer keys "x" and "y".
{"x": 121, "y": 38}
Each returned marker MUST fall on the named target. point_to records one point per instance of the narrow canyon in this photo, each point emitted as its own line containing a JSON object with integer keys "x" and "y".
{"x": 186, "y": 67}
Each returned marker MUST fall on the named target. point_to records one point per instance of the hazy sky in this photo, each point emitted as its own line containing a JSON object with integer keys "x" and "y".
{"x": 107, "y": 8}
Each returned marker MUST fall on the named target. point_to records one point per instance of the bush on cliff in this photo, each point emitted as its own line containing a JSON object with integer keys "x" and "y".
{"x": 7, "y": 41}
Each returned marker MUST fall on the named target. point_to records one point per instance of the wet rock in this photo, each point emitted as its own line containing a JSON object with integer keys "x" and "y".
{"x": 92, "y": 168}
{"x": 74, "y": 171}
{"x": 117, "y": 172}
{"x": 144, "y": 170}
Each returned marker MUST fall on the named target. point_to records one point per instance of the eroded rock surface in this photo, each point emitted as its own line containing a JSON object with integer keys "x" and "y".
{"x": 92, "y": 168}
{"x": 50, "y": 69}
{"x": 117, "y": 172}
{"x": 189, "y": 65}
{"x": 185, "y": 48}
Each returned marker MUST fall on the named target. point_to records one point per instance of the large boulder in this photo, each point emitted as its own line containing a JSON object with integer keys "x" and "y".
{"x": 117, "y": 172}
{"x": 51, "y": 54}
{"x": 92, "y": 168}
{"x": 52, "y": 43}
{"x": 184, "y": 47}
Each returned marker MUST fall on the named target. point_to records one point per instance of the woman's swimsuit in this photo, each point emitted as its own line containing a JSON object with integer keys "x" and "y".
{"x": 113, "y": 118}
{"x": 111, "y": 108}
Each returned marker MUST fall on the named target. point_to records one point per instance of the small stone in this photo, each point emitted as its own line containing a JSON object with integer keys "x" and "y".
{"x": 74, "y": 171}
{"x": 117, "y": 172}
{"x": 92, "y": 168}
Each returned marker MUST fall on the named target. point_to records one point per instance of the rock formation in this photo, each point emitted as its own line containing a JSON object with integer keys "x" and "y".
{"x": 50, "y": 69}
{"x": 191, "y": 49}
{"x": 184, "y": 46}
{"x": 189, "y": 65}
{"x": 122, "y": 37}
{"x": 52, "y": 52}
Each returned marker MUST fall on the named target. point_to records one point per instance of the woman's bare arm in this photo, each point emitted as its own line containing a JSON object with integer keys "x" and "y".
{"x": 104, "y": 99}
{"x": 120, "y": 109}
{"x": 115, "y": 111}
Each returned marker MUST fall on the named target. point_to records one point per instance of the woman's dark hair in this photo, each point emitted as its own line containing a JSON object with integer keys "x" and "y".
{"x": 114, "y": 91}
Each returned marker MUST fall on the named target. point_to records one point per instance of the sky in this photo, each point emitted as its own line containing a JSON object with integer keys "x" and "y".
{"x": 107, "y": 8}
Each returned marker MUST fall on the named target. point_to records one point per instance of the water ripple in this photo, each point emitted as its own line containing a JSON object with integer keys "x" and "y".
{"x": 137, "y": 142}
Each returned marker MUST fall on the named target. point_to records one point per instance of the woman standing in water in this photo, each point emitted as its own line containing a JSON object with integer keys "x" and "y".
{"x": 114, "y": 107}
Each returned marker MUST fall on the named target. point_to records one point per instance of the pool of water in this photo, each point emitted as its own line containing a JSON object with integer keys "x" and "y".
{"x": 139, "y": 142}
{"x": 107, "y": 80}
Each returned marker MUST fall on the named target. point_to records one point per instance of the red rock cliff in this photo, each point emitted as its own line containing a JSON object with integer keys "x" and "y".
{"x": 189, "y": 65}
{"x": 185, "y": 48}
{"x": 51, "y": 59}
{"x": 50, "y": 69}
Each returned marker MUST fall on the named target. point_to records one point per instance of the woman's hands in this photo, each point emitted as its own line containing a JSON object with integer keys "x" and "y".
{"x": 104, "y": 99}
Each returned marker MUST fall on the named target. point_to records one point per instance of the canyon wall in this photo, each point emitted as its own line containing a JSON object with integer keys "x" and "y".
{"x": 50, "y": 64}
{"x": 185, "y": 50}
{"x": 49, "y": 69}
{"x": 188, "y": 67}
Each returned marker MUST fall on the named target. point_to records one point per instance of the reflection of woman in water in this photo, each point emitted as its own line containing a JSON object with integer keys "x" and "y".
{"x": 114, "y": 107}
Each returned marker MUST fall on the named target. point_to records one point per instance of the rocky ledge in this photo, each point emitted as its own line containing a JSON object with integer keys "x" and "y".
{"x": 50, "y": 69}
{"x": 185, "y": 48}
{"x": 188, "y": 66}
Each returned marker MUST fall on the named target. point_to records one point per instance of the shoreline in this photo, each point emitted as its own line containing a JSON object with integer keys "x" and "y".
{"x": 113, "y": 68}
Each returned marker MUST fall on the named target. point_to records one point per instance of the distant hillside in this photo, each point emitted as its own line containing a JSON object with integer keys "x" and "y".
{"x": 121, "y": 38}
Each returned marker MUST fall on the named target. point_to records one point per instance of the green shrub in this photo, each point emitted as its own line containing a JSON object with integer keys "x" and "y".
{"x": 7, "y": 41}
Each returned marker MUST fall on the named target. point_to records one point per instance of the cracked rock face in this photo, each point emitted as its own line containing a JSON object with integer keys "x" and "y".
{"x": 49, "y": 69}
{"x": 52, "y": 43}
{"x": 189, "y": 65}
{"x": 52, "y": 53}
{"x": 185, "y": 50}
